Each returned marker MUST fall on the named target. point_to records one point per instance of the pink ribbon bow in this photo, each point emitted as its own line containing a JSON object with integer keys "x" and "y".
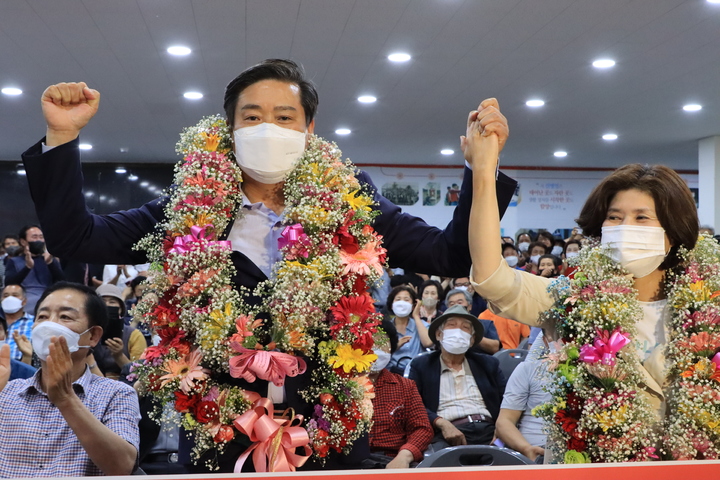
{"x": 604, "y": 349}
{"x": 270, "y": 366}
{"x": 274, "y": 439}
{"x": 290, "y": 235}
{"x": 197, "y": 234}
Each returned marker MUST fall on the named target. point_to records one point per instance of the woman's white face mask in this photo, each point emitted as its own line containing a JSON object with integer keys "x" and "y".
{"x": 638, "y": 249}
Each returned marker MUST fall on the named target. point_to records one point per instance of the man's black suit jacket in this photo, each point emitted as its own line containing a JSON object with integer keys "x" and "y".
{"x": 425, "y": 370}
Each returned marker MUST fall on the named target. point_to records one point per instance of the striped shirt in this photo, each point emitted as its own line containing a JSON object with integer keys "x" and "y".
{"x": 35, "y": 439}
{"x": 459, "y": 394}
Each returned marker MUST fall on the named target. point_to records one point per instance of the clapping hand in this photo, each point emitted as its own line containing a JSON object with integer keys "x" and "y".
{"x": 57, "y": 373}
{"x": 23, "y": 344}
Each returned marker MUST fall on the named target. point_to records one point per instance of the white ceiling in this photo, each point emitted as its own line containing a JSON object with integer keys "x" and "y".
{"x": 667, "y": 53}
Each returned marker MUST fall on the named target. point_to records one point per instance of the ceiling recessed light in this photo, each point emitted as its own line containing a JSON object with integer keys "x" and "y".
{"x": 132, "y": 177}
{"x": 367, "y": 99}
{"x": 11, "y": 91}
{"x": 120, "y": 170}
{"x": 692, "y": 107}
{"x": 447, "y": 151}
{"x": 399, "y": 57}
{"x": 103, "y": 198}
{"x": 603, "y": 63}
{"x": 535, "y": 103}
{"x": 343, "y": 131}
{"x": 89, "y": 194}
{"x": 193, "y": 95}
{"x": 178, "y": 50}
{"x": 713, "y": 1}
{"x": 20, "y": 171}
{"x": 609, "y": 136}
{"x": 560, "y": 154}
{"x": 85, "y": 146}
{"x": 144, "y": 184}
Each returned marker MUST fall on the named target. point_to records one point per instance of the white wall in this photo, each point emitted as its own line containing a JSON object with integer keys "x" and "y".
{"x": 547, "y": 199}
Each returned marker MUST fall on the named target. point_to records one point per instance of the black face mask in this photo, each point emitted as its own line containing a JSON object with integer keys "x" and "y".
{"x": 13, "y": 250}
{"x": 37, "y": 247}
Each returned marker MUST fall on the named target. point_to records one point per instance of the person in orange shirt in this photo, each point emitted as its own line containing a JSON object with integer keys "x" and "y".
{"x": 511, "y": 333}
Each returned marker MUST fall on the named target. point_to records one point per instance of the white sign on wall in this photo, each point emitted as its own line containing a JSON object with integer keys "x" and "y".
{"x": 547, "y": 199}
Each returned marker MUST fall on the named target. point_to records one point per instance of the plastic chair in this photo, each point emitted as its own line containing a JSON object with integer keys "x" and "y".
{"x": 524, "y": 344}
{"x": 472, "y": 455}
{"x": 509, "y": 359}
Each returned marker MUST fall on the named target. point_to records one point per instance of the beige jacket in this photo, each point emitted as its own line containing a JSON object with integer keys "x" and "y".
{"x": 521, "y": 296}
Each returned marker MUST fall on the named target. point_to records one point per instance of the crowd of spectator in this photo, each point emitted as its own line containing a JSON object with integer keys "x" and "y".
{"x": 436, "y": 380}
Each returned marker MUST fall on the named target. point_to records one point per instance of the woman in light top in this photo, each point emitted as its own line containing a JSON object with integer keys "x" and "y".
{"x": 611, "y": 379}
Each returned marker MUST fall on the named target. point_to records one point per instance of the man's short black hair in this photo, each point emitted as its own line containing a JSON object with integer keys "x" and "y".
{"x": 23, "y": 230}
{"x": 22, "y": 289}
{"x": 10, "y": 237}
{"x": 95, "y": 308}
{"x": 272, "y": 69}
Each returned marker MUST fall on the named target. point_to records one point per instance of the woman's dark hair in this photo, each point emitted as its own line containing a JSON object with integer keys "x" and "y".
{"x": 537, "y": 244}
{"x": 272, "y": 69}
{"x": 572, "y": 242}
{"x": 505, "y": 246}
{"x": 137, "y": 281}
{"x": 674, "y": 204}
{"x": 95, "y": 308}
{"x": 395, "y": 291}
{"x": 555, "y": 259}
{"x": 391, "y": 332}
{"x": 436, "y": 284}
{"x": 548, "y": 235}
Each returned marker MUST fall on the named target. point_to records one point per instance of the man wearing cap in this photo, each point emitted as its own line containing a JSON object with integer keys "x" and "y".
{"x": 461, "y": 390}
{"x": 114, "y": 353}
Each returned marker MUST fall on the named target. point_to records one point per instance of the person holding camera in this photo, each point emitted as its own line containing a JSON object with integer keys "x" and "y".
{"x": 35, "y": 269}
{"x": 120, "y": 343}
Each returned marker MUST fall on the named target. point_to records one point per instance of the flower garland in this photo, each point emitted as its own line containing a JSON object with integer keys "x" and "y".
{"x": 315, "y": 306}
{"x": 598, "y": 411}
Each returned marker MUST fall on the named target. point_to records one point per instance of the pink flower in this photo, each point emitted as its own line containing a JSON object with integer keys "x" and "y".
{"x": 363, "y": 260}
{"x": 187, "y": 370}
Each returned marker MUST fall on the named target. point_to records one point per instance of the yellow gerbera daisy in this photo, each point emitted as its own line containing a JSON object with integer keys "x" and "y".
{"x": 349, "y": 358}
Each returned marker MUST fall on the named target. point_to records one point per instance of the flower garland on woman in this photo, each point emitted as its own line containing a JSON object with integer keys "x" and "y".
{"x": 599, "y": 412}
{"x": 316, "y": 301}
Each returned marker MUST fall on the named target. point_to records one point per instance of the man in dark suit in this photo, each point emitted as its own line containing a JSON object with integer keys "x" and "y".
{"x": 462, "y": 390}
{"x": 272, "y": 94}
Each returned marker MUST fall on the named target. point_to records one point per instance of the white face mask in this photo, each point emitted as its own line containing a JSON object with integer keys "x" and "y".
{"x": 557, "y": 251}
{"x": 44, "y": 331}
{"x": 511, "y": 260}
{"x": 535, "y": 259}
{"x": 11, "y": 305}
{"x": 464, "y": 288}
{"x": 429, "y": 302}
{"x": 401, "y": 308}
{"x": 383, "y": 358}
{"x": 640, "y": 250}
{"x": 455, "y": 341}
{"x": 523, "y": 246}
{"x": 572, "y": 254}
{"x": 268, "y": 152}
